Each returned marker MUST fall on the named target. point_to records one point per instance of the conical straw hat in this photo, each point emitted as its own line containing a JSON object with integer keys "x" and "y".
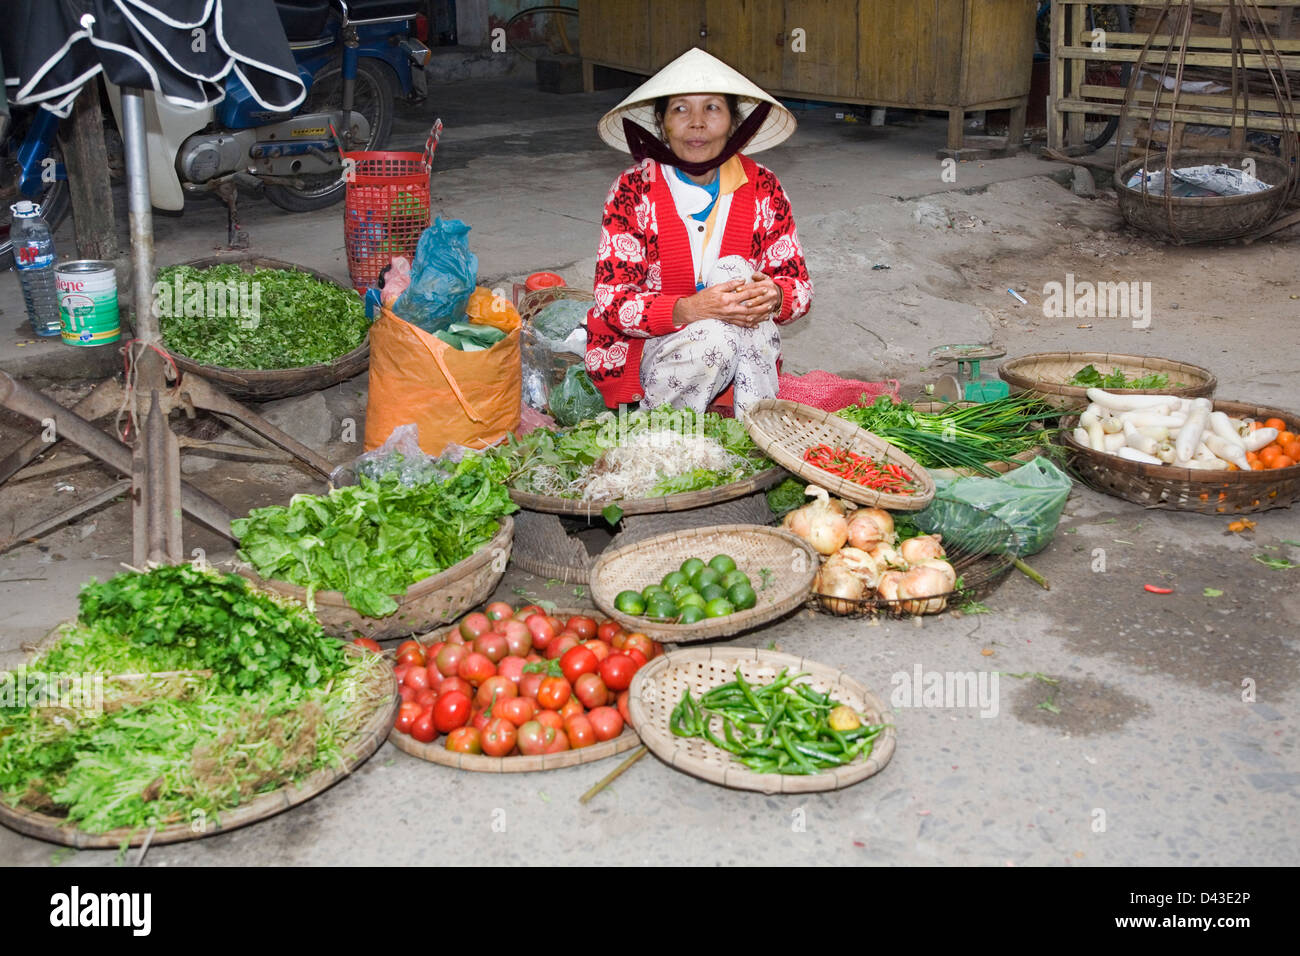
{"x": 697, "y": 72}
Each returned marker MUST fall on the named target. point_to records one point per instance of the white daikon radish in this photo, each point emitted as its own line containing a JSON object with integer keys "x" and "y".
{"x": 1154, "y": 419}
{"x": 1259, "y": 438}
{"x": 1112, "y": 443}
{"x": 1222, "y": 427}
{"x": 1128, "y": 403}
{"x": 1110, "y": 424}
{"x": 1096, "y": 436}
{"x": 1166, "y": 452}
{"x": 1132, "y": 454}
{"x": 1192, "y": 432}
{"x": 1135, "y": 439}
{"x": 1159, "y": 434}
{"x": 1229, "y": 451}
{"x": 1081, "y": 436}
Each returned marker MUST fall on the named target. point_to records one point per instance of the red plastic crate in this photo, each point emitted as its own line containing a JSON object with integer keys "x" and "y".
{"x": 387, "y": 209}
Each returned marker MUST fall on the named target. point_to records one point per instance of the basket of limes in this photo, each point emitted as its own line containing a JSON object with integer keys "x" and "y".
{"x": 703, "y": 583}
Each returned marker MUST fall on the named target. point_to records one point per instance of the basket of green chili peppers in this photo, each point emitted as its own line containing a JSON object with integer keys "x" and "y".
{"x": 760, "y": 720}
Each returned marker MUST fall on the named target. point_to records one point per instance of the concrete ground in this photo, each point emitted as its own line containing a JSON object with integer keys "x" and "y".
{"x": 1119, "y": 733}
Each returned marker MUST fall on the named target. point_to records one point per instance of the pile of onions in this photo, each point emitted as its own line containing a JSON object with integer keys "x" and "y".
{"x": 864, "y": 557}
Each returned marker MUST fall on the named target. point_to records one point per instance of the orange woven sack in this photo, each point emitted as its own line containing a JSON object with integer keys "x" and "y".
{"x": 453, "y": 397}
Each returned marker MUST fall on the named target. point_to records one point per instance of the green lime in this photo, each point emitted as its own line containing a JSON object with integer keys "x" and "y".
{"x": 651, "y": 591}
{"x": 722, "y": 563}
{"x": 692, "y": 614}
{"x": 693, "y": 599}
{"x": 703, "y": 577}
{"x": 742, "y": 595}
{"x": 674, "y": 579}
{"x": 718, "y": 607}
{"x": 732, "y": 578}
{"x": 691, "y": 565}
{"x": 681, "y": 592}
{"x": 711, "y": 592}
{"x": 662, "y": 607}
{"x": 629, "y": 602}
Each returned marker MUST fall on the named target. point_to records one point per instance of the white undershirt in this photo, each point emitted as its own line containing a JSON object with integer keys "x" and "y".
{"x": 689, "y": 199}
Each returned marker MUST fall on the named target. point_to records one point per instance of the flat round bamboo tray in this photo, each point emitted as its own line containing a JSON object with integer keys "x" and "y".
{"x": 684, "y": 501}
{"x": 435, "y": 600}
{"x": 553, "y": 365}
{"x": 1203, "y": 218}
{"x": 365, "y": 741}
{"x": 1045, "y": 374}
{"x": 980, "y": 546}
{"x": 1188, "y": 489}
{"x": 753, "y": 547}
{"x": 998, "y": 467}
{"x": 264, "y": 385}
{"x": 658, "y": 687}
{"x": 437, "y": 752}
{"x": 785, "y": 430}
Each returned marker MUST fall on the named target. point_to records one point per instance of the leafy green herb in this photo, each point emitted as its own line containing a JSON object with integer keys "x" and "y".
{"x": 786, "y": 496}
{"x": 612, "y": 514}
{"x": 975, "y": 607}
{"x": 1277, "y": 564}
{"x": 375, "y": 539}
{"x": 299, "y": 320}
{"x": 1089, "y": 377}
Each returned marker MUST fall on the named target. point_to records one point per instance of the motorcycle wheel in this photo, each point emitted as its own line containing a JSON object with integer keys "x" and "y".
{"x": 373, "y": 98}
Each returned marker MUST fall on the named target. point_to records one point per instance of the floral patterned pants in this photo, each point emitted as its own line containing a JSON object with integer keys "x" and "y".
{"x": 690, "y": 368}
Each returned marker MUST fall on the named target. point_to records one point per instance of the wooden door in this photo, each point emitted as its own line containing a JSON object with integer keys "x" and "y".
{"x": 617, "y": 33}
{"x": 748, "y": 35}
{"x": 675, "y": 27}
{"x": 821, "y": 47}
{"x": 909, "y": 51}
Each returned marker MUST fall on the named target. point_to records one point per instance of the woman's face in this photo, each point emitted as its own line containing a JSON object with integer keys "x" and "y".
{"x": 697, "y": 126}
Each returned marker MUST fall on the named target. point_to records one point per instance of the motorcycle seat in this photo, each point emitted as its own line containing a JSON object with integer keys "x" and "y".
{"x": 360, "y": 10}
{"x": 303, "y": 19}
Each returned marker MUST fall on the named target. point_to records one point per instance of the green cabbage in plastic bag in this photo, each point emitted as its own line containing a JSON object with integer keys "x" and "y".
{"x": 575, "y": 399}
{"x": 1030, "y": 499}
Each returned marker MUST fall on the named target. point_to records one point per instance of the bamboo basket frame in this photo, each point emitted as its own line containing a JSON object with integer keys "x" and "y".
{"x": 1025, "y": 373}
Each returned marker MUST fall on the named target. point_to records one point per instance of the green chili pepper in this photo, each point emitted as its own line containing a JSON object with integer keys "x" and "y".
{"x": 796, "y": 757}
{"x": 749, "y": 694}
{"x": 817, "y": 753}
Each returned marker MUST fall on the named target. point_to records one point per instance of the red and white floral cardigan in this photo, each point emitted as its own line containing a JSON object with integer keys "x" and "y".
{"x": 644, "y": 265}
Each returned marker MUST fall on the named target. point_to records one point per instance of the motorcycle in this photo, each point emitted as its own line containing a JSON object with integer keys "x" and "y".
{"x": 351, "y": 56}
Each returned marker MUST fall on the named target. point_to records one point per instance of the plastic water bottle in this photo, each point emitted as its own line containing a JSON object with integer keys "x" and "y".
{"x": 34, "y": 258}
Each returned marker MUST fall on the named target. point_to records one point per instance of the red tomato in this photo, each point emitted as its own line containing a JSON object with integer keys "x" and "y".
{"x": 582, "y": 625}
{"x": 617, "y": 670}
{"x": 454, "y": 637}
{"x": 435, "y": 675}
{"x": 417, "y": 677}
{"x": 533, "y": 657}
{"x": 554, "y": 693}
{"x": 493, "y": 646}
{"x": 607, "y": 631}
{"x": 641, "y": 643}
{"x": 410, "y": 652}
{"x": 512, "y": 667}
{"x": 618, "y": 641}
{"x": 494, "y": 688}
{"x": 518, "y": 638}
{"x": 472, "y": 625}
{"x": 517, "y": 710}
{"x": 556, "y": 624}
{"x": 606, "y": 722}
{"x": 659, "y": 649}
{"x": 400, "y": 672}
{"x": 407, "y": 714}
{"x": 451, "y": 711}
{"x": 561, "y": 742}
{"x": 423, "y": 729}
{"x": 465, "y": 740}
{"x": 527, "y": 611}
{"x": 499, "y": 611}
{"x": 638, "y": 658}
{"x": 534, "y": 737}
{"x": 572, "y": 708}
{"x": 529, "y": 684}
{"x": 368, "y": 644}
{"x": 448, "y": 684}
{"x": 599, "y": 648}
{"x": 426, "y": 698}
{"x": 541, "y": 631}
{"x": 449, "y": 658}
{"x": 406, "y": 693}
{"x": 578, "y": 661}
{"x": 476, "y": 668}
{"x": 590, "y": 690}
{"x": 623, "y": 709}
{"x": 431, "y": 652}
{"x": 563, "y": 642}
{"x": 479, "y": 720}
{"x": 581, "y": 732}
{"x": 498, "y": 738}
{"x": 550, "y": 718}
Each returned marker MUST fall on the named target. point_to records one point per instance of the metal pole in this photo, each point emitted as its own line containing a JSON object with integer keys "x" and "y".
{"x": 135, "y": 142}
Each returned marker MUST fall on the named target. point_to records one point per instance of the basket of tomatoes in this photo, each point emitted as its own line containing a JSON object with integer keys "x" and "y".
{"x": 506, "y": 690}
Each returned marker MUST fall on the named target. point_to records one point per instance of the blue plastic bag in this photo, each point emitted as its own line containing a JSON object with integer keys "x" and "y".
{"x": 443, "y": 277}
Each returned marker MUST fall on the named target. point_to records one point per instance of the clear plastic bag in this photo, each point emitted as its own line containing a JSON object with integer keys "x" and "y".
{"x": 1030, "y": 499}
{"x": 575, "y": 399}
{"x": 400, "y": 456}
{"x": 443, "y": 277}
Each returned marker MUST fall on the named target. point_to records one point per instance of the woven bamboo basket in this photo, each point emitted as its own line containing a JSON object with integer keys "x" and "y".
{"x": 785, "y": 430}
{"x": 753, "y": 547}
{"x": 1207, "y": 218}
{"x": 658, "y": 687}
{"x": 435, "y": 600}
{"x": 684, "y": 501}
{"x": 999, "y": 467}
{"x": 554, "y": 365}
{"x": 1186, "y": 489}
{"x": 437, "y": 752}
{"x": 1045, "y": 374}
{"x": 365, "y": 740}
{"x": 264, "y": 385}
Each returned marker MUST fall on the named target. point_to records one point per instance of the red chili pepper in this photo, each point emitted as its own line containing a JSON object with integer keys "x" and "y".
{"x": 1157, "y": 590}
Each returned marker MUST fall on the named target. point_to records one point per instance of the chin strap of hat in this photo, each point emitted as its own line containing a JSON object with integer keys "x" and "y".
{"x": 644, "y": 143}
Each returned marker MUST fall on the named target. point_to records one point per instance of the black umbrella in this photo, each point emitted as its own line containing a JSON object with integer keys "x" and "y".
{"x": 182, "y": 49}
